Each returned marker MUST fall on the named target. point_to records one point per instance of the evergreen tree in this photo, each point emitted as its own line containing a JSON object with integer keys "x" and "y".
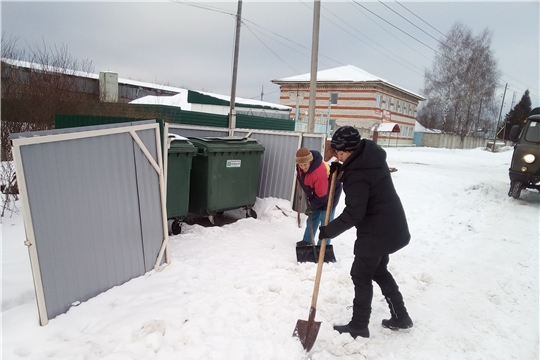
{"x": 518, "y": 114}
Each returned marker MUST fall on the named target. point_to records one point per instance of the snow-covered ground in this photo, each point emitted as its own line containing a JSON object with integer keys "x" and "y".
{"x": 470, "y": 279}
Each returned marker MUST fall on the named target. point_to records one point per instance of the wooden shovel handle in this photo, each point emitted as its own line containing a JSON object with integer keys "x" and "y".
{"x": 298, "y": 202}
{"x": 323, "y": 242}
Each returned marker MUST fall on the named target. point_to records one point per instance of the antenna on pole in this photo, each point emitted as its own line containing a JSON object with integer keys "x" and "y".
{"x": 513, "y": 101}
{"x": 262, "y": 92}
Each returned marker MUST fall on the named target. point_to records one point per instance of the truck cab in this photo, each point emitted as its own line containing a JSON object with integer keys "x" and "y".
{"x": 524, "y": 169}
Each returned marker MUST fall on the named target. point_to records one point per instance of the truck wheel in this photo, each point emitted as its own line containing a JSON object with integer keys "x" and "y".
{"x": 515, "y": 189}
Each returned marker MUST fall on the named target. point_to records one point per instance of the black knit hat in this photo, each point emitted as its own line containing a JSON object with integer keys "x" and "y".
{"x": 346, "y": 138}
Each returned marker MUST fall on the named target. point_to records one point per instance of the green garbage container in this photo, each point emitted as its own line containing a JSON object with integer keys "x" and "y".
{"x": 179, "y": 159}
{"x": 224, "y": 175}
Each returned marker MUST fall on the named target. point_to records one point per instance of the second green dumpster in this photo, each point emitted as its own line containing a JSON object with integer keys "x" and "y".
{"x": 179, "y": 158}
{"x": 224, "y": 175}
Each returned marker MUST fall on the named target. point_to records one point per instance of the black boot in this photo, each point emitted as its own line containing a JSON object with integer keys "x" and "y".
{"x": 400, "y": 318}
{"x": 395, "y": 323}
{"x": 364, "y": 332}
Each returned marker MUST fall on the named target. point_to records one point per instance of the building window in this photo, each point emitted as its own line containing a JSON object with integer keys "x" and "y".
{"x": 379, "y": 101}
{"x": 398, "y": 106}
{"x": 387, "y": 104}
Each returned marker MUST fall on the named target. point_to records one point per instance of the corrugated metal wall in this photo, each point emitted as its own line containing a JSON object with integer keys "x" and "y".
{"x": 93, "y": 209}
{"x": 276, "y": 173}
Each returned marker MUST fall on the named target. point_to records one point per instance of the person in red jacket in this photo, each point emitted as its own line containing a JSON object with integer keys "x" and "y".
{"x": 312, "y": 173}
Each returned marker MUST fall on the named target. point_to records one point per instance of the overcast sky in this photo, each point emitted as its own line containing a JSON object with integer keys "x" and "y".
{"x": 190, "y": 43}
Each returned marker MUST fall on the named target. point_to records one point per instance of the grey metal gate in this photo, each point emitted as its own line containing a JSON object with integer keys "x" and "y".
{"x": 94, "y": 209}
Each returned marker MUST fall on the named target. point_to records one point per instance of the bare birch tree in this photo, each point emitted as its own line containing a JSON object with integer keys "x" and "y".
{"x": 463, "y": 81}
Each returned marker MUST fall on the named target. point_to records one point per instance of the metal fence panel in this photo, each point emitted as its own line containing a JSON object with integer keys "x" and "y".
{"x": 93, "y": 213}
{"x": 276, "y": 172}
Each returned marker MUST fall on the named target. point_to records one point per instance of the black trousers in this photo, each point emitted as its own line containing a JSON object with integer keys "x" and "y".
{"x": 364, "y": 271}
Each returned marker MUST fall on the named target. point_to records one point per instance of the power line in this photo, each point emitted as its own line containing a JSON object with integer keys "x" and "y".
{"x": 293, "y": 48}
{"x": 403, "y": 6}
{"x": 389, "y": 33}
{"x": 406, "y": 33}
{"x": 273, "y": 52}
{"x": 219, "y": 10}
{"x": 282, "y": 37}
{"x": 437, "y": 40}
{"x": 298, "y": 46}
{"x": 392, "y": 55}
{"x": 204, "y": 7}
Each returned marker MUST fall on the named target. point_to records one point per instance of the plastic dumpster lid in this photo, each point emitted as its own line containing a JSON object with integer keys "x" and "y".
{"x": 227, "y": 144}
{"x": 181, "y": 146}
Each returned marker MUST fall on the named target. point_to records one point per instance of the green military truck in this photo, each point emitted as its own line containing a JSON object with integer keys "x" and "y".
{"x": 525, "y": 166}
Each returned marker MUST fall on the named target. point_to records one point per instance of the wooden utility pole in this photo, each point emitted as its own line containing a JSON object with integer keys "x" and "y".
{"x": 232, "y": 112}
{"x": 314, "y": 59}
{"x": 499, "y": 120}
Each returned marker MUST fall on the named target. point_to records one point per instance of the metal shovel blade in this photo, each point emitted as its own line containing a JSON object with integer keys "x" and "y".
{"x": 307, "y": 331}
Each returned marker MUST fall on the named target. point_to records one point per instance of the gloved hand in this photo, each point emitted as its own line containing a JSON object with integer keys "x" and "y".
{"x": 322, "y": 233}
{"x": 335, "y": 166}
{"x": 309, "y": 210}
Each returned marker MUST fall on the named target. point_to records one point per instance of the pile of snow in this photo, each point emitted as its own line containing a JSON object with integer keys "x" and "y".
{"x": 469, "y": 278}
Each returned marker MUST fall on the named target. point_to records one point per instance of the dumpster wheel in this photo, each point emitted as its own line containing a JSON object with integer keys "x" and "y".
{"x": 175, "y": 227}
{"x": 251, "y": 213}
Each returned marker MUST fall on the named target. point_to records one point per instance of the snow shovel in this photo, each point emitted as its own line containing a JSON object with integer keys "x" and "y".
{"x": 310, "y": 253}
{"x": 307, "y": 331}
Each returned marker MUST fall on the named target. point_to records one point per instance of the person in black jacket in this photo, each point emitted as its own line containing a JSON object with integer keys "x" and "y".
{"x": 374, "y": 208}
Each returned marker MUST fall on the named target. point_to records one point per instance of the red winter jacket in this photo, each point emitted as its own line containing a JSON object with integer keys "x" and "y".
{"x": 315, "y": 183}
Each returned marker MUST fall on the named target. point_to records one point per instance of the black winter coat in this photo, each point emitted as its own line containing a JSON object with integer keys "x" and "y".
{"x": 371, "y": 204}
